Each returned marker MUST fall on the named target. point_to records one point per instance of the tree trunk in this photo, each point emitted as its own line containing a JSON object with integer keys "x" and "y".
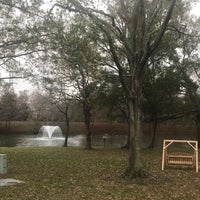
{"x": 155, "y": 124}
{"x": 127, "y": 144}
{"x": 136, "y": 165}
{"x": 67, "y": 126}
{"x": 87, "y": 114}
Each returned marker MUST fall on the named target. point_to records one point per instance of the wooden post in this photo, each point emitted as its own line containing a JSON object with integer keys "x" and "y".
{"x": 163, "y": 155}
{"x": 196, "y": 157}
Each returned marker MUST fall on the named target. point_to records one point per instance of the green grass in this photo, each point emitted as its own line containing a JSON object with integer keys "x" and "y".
{"x": 57, "y": 173}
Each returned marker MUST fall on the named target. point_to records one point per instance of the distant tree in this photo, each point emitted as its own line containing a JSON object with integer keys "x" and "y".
{"x": 161, "y": 90}
{"x": 112, "y": 100}
{"x": 8, "y": 104}
{"x": 24, "y": 110}
{"x": 42, "y": 109}
{"x": 188, "y": 65}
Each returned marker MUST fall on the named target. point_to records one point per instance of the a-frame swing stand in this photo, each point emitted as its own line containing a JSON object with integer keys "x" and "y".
{"x": 177, "y": 158}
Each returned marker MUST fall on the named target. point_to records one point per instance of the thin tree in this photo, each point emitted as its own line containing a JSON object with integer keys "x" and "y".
{"x": 72, "y": 59}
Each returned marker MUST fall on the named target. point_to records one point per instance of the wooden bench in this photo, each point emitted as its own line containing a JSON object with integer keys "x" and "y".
{"x": 180, "y": 158}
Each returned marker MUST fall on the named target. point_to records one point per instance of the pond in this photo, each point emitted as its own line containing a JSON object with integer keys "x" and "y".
{"x": 12, "y": 140}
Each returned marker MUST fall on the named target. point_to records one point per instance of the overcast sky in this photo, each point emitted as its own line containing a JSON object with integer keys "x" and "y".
{"x": 196, "y": 9}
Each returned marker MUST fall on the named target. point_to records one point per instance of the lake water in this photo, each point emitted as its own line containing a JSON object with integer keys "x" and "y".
{"x": 78, "y": 140}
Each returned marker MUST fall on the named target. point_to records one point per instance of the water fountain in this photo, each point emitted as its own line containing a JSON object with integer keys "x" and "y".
{"x": 49, "y": 136}
{"x": 50, "y": 131}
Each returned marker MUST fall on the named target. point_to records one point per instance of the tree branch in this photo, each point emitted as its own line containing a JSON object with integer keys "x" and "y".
{"x": 22, "y": 54}
{"x": 156, "y": 42}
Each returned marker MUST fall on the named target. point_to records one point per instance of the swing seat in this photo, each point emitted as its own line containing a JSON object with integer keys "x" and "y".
{"x": 180, "y": 159}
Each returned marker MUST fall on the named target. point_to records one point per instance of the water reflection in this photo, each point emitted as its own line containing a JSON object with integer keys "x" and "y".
{"x": 78, "y": 140}
{"x": 41, "y": 142}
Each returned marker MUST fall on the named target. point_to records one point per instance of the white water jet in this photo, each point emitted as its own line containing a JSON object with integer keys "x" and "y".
{"x": 50, "y": 131}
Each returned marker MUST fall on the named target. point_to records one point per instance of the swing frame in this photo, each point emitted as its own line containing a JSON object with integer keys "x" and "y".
{"x": 180, "y": 158}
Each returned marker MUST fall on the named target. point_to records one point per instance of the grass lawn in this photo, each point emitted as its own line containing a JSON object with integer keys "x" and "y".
{"x": 58, "y": 173}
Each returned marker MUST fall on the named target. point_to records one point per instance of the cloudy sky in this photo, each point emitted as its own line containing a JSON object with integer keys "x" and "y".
{"x": 196, "y": 9}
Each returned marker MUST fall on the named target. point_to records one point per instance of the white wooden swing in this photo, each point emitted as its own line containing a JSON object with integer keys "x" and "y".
{"x": 180, "y": 158}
